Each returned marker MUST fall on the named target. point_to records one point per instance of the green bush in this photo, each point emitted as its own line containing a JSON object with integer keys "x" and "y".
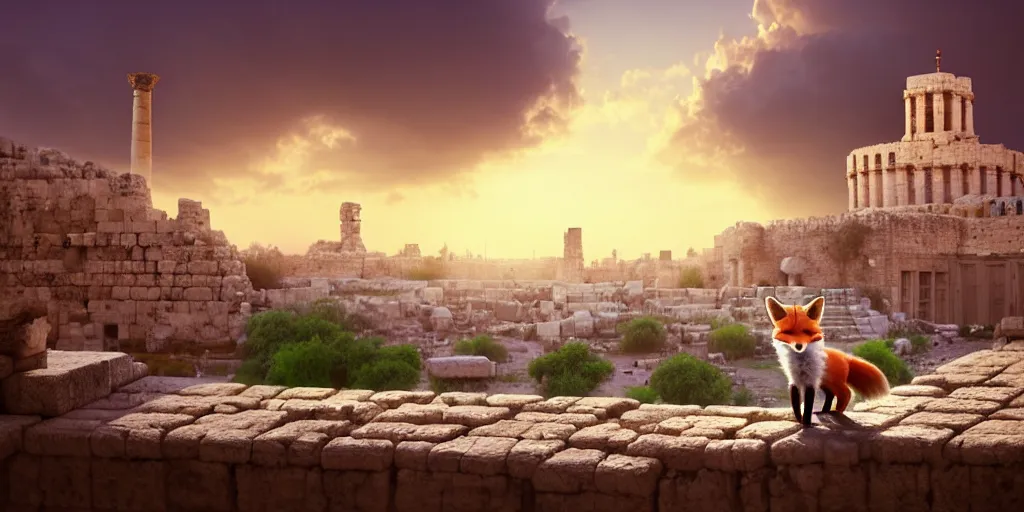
{"x": 572, "y": 370}
{"x": 642, "y": 335}
{"x": 428, "y": 270}
{"x": 735, "y": 341}
{"x": 482, "y": 346}
{"x": 386, "y": 375}
{"x": 642, "y": 394}
{"x": 684, "y": 379}
{"x": 743, "y": 396}
{"x": 306, "y": 363}
{"x": 333, "y": 311}
{"x": 691, "y": 277}
{"x": 408, "y": 354}
{"x": 878, "y": 353}
{"x": 264, "y": 266}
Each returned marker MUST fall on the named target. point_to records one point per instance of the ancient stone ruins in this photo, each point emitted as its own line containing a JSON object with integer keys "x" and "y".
{"x": 952, "y": 441}
{"x": 90, "y": 271}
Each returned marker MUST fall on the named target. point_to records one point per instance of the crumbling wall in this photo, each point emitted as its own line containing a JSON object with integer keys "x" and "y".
{"x": 112, "y": 270}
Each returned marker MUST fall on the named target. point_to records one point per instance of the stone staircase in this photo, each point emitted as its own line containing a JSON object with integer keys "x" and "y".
{"x": 838, "y": 323}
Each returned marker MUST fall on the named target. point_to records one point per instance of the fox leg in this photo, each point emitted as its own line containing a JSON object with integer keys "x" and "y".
{"x": 828, "y": 400}
{"x": 794, "y": 398}
{"x": 843, "y": 396}
{"x": 808, "y": 404}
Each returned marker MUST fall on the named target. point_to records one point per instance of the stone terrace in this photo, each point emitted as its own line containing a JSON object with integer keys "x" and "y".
{"x": 951, "y": 441}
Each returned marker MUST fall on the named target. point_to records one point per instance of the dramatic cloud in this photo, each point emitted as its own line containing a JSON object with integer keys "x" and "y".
{"x": 345, "y": 94}
{"x": 779, "y": 112}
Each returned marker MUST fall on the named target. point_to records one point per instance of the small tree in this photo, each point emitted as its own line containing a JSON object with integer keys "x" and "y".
{"x": 482, "y": 345}
{"x": 733, "y": 340}
{"x": 878, "y": 353}
{"x": 642, "y": 335}
{"x": 691, "y": 277}
{"x": 572, "y": 370}
{"x": 684, "y": 379}
{"x": 264, "y": 266}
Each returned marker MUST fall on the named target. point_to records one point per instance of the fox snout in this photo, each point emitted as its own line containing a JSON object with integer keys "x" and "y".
{"x": 797, "y": 347}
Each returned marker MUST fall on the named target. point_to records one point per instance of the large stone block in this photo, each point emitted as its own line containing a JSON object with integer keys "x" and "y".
{"x": 71, "y": 380}
{"x": 461, "y": 367}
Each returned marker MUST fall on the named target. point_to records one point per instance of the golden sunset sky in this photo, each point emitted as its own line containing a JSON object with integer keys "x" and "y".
{"x": 494, "y": 125}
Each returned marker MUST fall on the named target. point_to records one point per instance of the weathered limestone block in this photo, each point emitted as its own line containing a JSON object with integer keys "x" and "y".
{"x": 441, "y": 319}
{"x": 263, "y": 489}
{"x": 221, "y": 437}
{"x": 71, "y": 380}
{"x": 298, "y": 443}
{"x": 461, "y": 367}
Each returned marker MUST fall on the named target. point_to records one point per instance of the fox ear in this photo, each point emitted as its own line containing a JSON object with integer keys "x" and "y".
{"x": 775, "y": 310}
{"x": 815, "y": 308}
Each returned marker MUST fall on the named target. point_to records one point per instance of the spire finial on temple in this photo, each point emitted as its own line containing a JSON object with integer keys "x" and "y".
{"x": 938, "y": 61}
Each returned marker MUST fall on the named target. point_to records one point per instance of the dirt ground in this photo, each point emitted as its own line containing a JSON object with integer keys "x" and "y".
{"x": 762, "y": 376}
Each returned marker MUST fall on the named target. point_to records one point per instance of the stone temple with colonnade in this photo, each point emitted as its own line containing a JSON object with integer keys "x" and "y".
{"x": 940, "y": 158}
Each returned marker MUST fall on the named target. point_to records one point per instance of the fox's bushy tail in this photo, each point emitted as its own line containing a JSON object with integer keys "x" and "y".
{"x": 866, "y": 379}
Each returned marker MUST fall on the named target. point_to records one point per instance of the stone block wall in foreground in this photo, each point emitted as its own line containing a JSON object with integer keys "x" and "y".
{"x": 953, "y": 441}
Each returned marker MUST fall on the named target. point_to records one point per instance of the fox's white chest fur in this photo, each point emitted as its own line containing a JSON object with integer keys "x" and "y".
{"x": 803, "y": 369}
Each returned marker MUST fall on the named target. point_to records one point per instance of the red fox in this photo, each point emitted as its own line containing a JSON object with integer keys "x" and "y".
{"x": 810, "y": 366}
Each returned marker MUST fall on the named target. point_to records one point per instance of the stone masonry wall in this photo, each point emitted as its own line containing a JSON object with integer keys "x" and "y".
{"x": 953, "y": 441}
{"x": 896, "y": 241}
{"x": 112, "y": 270}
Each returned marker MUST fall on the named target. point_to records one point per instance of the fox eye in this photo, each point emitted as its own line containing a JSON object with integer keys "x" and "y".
{"x": 788, "y": 332}
{"x": 809, "y": 332}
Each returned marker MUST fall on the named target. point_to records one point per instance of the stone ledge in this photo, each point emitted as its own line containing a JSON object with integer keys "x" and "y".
{"x": 235, "y": 447}
{"x": 70, "y": 380}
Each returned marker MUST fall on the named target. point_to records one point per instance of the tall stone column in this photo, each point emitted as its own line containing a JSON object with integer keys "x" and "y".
{"x": 938, "y": 112}
{"x": 877, "y": 189}
{"x": 908, "y": 130}
{"x": 1007, "y": 185}
{"x": 919, "y": 115}
{"x": 977, "y": 178}
{"x": 851, "y": 188}
{"x": 888, "y": 188}
{"x": 902, "y": 192}
{"x": 863, "y": 188}
{"x": 938, "y": 186}
{"x": 969, "y": 122}
{"x": 919, "y": 182}
{"x": 142, "y": 124}
{"x": 956, "y": 183}
{"x": 958, "y": 122}
{"x": 993, "y": 182}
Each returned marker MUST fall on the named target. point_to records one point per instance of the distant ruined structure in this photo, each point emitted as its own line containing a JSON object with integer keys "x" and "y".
{"x": 940, "y": 159}
{"x": 936, "y": 221}
{"x": 572, "y": 255}
{"x": 351, "y": 238}
{"x": 142, "y": 124}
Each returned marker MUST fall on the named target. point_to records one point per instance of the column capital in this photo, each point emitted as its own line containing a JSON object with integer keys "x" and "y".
{"x": 143, "y": 81}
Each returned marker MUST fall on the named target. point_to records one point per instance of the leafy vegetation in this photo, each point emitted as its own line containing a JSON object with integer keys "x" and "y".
{"x": 684, "y": 379}
{"x": 317, "y": 348}
{"x": 429, "y": 269}
{"x": 264, "y": 265}
{"x": 482, "y": 345}
{"x": 691, "y": 277}
{"x": 572, "y": 370}
{"x": 642, "y": 394}
{"x": 734, "y": 341}
{"x": 743, "y": 396}
{"x": 642, "y": 335}
{"x": 878, "y": 353}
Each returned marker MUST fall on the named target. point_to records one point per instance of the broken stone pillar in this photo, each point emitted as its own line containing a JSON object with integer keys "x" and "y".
{"x": 142, "y": 124}
{"x": 461, "y": 367}
{"x": 969, "y": 122}
{"x": 572, "y": 255}
{"x": 351, "y": 237}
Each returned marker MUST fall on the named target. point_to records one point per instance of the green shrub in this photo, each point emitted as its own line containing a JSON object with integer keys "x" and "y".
{"x": 642, "y": 335}
{"x": 386, "y": 375}
{"x": 642, "y": 394}
{"x": 684, "y": 379}
{"x": 691, "y": 277}
{"x": 735, "y": 341}
{"x": 333, "y": 311}
{"x": 428, "y": 270}
{"x": 920, "y": 343}
{"x": 572, "y": 370}
{"x": 306, "y": 363}
{"x": 878, "y": 353}
{"x": 250, "y": 373}
{"x": 482, "y": 346}
{"x": 743, "y": 396}
{"x": 264, "y": 266}
{"x": 408, "y": 354}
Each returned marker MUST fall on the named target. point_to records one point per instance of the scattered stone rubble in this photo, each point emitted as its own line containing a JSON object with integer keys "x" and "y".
{"x": 111, "y": 270}
{"x": 949, "y": 441}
